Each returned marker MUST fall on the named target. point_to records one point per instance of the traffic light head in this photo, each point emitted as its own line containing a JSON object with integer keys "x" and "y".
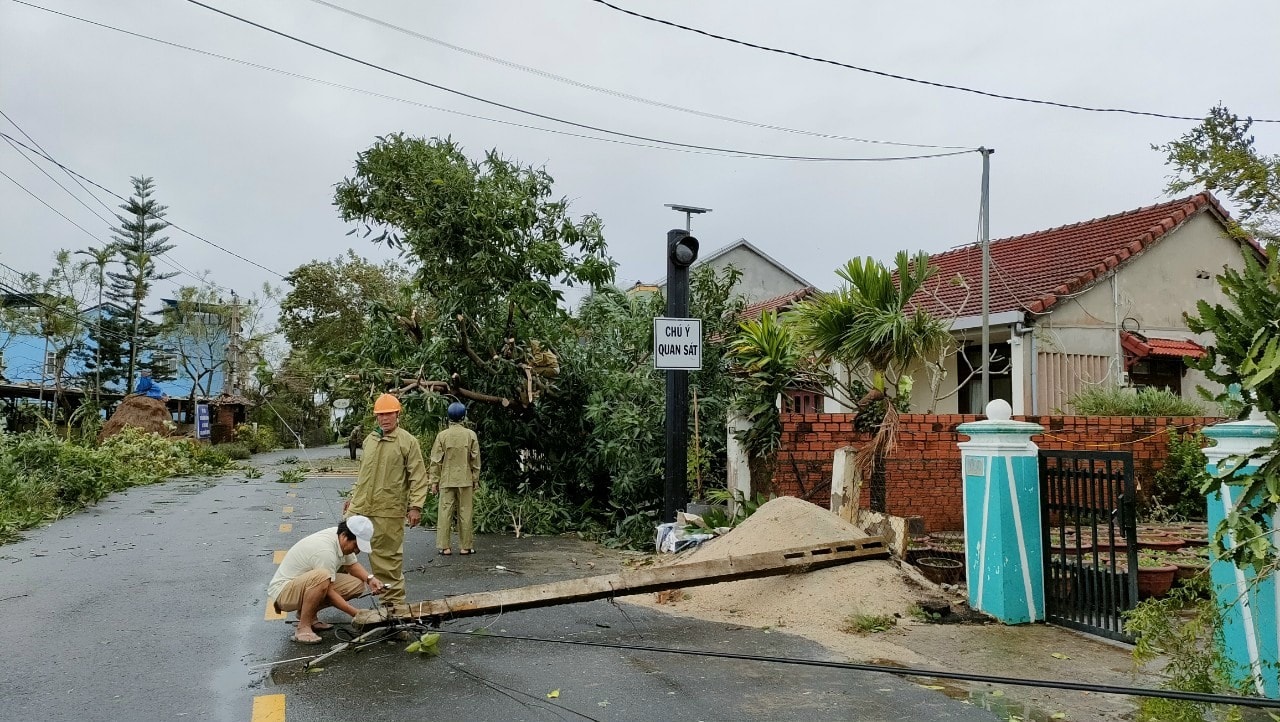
{"x": 682, "y": 248}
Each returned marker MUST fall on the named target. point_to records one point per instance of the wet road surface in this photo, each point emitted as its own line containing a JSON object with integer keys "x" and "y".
{"x": 152, "y": 605}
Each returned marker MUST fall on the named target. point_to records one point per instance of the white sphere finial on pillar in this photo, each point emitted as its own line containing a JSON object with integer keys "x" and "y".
{"x": 999, "y": 410}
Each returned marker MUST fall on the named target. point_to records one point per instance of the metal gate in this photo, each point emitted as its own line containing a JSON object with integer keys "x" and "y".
{"x": 1090, "y": 539}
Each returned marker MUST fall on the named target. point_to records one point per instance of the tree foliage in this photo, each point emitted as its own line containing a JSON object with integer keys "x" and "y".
{"x": 1219, "y": 155}
{"x": 490, "y": 249}
{"x": 326, "y": 309}
{"x": 118, "y": 340}
{"x": 869, "y": 325}
{"x": 1246, "y": 354}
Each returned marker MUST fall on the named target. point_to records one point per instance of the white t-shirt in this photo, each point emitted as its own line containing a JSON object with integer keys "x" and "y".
{"x": 317, "y": 551}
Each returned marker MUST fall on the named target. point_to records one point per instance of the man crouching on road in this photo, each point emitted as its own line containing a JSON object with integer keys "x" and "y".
{"x": 322, "y": 571}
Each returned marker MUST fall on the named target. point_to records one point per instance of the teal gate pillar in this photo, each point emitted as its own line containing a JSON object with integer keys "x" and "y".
{"x": 1248, "y": 605}
{"x": 1002, "y": 526}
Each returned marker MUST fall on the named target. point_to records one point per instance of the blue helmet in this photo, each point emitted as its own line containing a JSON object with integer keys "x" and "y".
{"x": 457, "y": 412}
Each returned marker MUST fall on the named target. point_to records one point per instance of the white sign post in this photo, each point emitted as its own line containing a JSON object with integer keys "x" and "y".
{"x": 677, "y": 344}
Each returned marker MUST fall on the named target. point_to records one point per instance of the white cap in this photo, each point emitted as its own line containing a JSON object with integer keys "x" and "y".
{"x": 363, "y": 529}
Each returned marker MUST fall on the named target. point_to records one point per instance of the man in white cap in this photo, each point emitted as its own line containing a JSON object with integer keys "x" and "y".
{"x": 322, "y": 571}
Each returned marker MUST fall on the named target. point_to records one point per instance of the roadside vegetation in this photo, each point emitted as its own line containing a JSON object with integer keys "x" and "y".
{"x": 1116, "y": 401}
{"x": 44, "y": 477}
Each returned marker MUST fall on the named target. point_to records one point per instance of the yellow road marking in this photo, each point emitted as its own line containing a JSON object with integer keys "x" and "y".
{"x": 292, "y": 494}
{"x": 272, "y": 614}
{"x": 287, "y": 510}
{"x": 268, "y": 708}
{"x": 278, "y": 557}
{"x": 286, "y": 527}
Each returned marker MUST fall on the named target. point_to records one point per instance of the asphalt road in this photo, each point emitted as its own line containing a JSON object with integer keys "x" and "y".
{"x": 152, "y": 606}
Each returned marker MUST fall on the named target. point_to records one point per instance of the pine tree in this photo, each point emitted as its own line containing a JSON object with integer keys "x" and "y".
{"x": 119, "y": 340}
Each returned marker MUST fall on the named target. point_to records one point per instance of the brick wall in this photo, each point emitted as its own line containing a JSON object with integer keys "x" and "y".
{"x": 923, "y": 475}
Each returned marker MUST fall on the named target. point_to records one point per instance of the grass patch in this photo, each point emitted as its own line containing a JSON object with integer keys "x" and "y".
{"x": 292, "y": 476}
{"x": 868, "y": 623}
{"x": 921, "y": 614}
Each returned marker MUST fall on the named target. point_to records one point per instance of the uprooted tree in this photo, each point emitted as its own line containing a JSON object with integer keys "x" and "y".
{"x": 490, "y": 249}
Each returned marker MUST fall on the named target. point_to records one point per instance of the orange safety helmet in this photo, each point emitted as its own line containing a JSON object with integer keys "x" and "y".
{"x": 386, "y": 404}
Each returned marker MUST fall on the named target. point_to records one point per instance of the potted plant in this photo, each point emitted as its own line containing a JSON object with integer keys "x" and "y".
{"x": 940, "y": 570}
{"x": 1155, "y": 575}
{"x": 1159, "y": 543}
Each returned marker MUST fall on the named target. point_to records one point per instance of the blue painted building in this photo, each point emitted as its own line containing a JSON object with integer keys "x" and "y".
{"x": 33, "y": 367}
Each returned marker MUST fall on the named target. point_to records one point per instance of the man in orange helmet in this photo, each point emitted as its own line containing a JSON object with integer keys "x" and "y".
{"x": 391, "y": 490}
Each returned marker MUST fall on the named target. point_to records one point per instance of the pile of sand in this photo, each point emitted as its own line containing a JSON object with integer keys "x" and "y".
{"x": 781, "y": 523}
{"x": 814, "y": 604}
{"x": 143, "y": 412}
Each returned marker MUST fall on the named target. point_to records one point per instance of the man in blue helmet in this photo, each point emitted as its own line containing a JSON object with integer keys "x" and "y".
{"x": 454, "y": 474}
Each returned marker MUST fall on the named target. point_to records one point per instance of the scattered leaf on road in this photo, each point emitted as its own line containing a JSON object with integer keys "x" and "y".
{"x": 1059, "y": 655}
{"x": 553, "y": 694}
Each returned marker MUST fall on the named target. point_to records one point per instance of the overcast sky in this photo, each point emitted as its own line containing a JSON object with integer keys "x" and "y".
{"x": 248, "y": 158}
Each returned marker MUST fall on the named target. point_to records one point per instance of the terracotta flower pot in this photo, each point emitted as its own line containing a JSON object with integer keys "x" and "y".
{"x": 1160, "y": 543}
{"x": 941, "y": 571}
{"x": 1188, "y": 569}
{"x": 1103, "y": 544}
{"x": 1155, "y": 581}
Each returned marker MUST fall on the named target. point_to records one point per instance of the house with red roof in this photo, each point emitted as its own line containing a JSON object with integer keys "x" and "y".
{"x": 1096, "y": 302}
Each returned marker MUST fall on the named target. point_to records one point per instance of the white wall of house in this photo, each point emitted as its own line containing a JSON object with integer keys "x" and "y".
{"x": 1077, "y": 343}
{"x": 761, "y": 278}
{"x": 1149, "y": 294}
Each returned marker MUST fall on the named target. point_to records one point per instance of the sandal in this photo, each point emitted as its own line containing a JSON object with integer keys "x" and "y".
{"x": 316, "y": 626}
{"x": 466, "y": 552}
{"x": 445, "y": 552}
{"x": 308, "y": 638}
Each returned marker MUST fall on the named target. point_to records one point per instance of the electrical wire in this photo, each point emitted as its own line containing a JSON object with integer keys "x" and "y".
{"x": 173, "y": 225}
{"x": 896, "y": 76}
{"x": 383, "y": 96}
{"x": 616, "y": 93}
{"x": 36, "y": 143}
{"x": 77, "y": 225}
{"x": 97, "y": 327}
{"x": 1200, "y": 697}
{"x": 585, "y": 126}
{"x": 46, "y": 205}
{"x": 164, "y": 259}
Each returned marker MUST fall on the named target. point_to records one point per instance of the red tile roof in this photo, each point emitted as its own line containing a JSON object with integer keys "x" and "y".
{"x": 1031, "y": 272}
{"x": 777, "y": 303}
{"x": 1139, "y": 346}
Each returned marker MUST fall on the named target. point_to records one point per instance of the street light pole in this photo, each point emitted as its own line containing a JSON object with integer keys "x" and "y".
{"x": 984, "y": 230}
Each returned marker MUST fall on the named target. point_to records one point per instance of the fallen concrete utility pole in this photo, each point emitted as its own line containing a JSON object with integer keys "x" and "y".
{"x": 675, "y": 576}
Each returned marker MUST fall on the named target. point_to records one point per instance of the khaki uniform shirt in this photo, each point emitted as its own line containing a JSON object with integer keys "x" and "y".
{"x": 455, "y": 457}
{"x": 393, "y": 476}
{"x": 316, "y": 551}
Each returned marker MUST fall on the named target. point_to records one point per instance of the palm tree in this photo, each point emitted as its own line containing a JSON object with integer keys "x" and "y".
{"x": 99, "y": 258}
{"x": 870, "y": 324}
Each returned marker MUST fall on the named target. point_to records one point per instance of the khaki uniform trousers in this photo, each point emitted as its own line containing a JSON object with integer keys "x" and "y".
{"x": 455, "y": 499}
{"x": 386, "y": 556}
{"x": 291, "y": 594}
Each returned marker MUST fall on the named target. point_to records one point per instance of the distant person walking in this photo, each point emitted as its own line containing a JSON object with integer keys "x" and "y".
{"x": 455, "y": 475}
{"x": 391, "y": 490}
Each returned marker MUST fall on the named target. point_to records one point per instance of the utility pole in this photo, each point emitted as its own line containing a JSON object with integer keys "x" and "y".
{"x": 984, "y": 234}
{"x": 231, "y": 379}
